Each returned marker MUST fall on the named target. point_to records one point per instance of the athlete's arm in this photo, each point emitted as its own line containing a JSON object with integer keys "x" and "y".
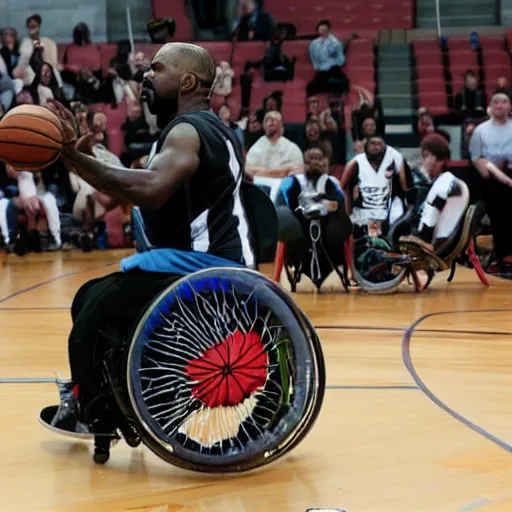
{"x": 175, "y": 163}
{"x": 347, "y": 179}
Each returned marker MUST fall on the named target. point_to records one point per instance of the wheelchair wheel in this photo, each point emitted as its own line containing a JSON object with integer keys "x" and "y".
{"x": 374, "y": 270}
{"x": 224, "y": 373}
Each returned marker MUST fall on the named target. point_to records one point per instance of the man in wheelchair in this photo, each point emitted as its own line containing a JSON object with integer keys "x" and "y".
{"x": 443, "y": 209}
{"x": 312, "y": 221}
{"x": 192, "y": 216}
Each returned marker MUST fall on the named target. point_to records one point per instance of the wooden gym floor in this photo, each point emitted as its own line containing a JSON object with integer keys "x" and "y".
{"x": 417, "y": 420}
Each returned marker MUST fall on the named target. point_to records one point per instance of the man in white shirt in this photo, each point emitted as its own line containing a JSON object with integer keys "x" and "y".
{"x": 273, "y": 157}
{"x": 34, "y": 41}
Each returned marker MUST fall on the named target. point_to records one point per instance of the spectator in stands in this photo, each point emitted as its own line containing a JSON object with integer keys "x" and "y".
{"x": 316, "y": 139}
{"x": 313, "y": 108}
{"x": 470, "y": 102}
{"x": 309, "y": 189}
{"x": 425, "y": 123}
{"x": 375, "y": 185}
{"x": 326, "y": 55}
{"x": 368, "y": 129}
{"x": 368, "y": 105}
{"x": 34, "y": 200}
{"x": 226, "y": 118}
{"x": 254, "y": 24}
{"x": 24, "y": 97}
{"x": 273, "y": 102}
{"x": 34, "y": 51}
{"x": 254, "y": 128}
{"x": 223, "y": 85}
{"x": 273, "y": 157}
{"x": 45, "y": 86}
{"x": 83, "y": 68}
{"x": 491, "y": 153}
{"x": 10, "y": 49}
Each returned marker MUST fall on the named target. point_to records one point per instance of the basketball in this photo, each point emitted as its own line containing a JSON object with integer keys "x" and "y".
{"x": 30, "y": 138}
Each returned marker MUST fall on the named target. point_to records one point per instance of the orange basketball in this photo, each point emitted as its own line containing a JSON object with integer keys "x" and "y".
{"x": 30, "y": 138}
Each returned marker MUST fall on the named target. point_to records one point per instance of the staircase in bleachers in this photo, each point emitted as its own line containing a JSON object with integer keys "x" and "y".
{"x": 396, "y": 93}
{"x": 457, "y": 13}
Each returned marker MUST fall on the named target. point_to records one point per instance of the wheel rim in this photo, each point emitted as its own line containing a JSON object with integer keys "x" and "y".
{"x": 222, "y": 369}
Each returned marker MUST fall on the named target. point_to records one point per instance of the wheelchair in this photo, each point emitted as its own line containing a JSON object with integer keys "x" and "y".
{"x": 380, "y": 264}
{"x": 224, "y": 373}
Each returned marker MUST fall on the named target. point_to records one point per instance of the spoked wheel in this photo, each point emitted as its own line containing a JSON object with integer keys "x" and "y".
{"x": 225, "y": 372}
{"x": 375, "y": 268}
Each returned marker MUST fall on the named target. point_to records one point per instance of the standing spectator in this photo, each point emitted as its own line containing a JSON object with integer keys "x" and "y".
{"x": 273, "y": 157}
{"x": 491, "y": 152}
{"x": 327, "y": 57}
{"x": 34, "y": 51}
{"x": 45, "y": 86}
{"x": 253, "y": 24}
{"x": 470, "y": 102}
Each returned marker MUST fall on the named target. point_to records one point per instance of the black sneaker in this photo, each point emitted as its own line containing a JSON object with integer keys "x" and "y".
{"x": 63, "y": 418}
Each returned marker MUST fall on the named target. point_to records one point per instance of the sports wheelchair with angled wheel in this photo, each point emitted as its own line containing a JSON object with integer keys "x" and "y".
{"x": 379, "y": 264}
{"x": 223, "y": 372}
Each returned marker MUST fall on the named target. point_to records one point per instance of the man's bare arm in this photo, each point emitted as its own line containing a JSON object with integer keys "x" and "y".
{"x": 488, "y": 170}
{"x": 281, "y": 172}
{"x": 177, "y": 161}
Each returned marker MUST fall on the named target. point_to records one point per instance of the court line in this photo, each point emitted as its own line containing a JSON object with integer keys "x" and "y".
{"x": 403, "y": 329}
{"x": 48, "y": 281}
{"x": 407, "y": 360}
{"x": 377, "y": 387}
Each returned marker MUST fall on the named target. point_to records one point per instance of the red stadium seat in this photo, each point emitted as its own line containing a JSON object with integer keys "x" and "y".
{"x": 459, "y": 44}
{"x": 430, "y": 73}
{"x": 426, "y": 46}
{"x": 496, "y": 58}
{"x": 429, "y": 59}
{"x": 492, "y": 43}
{"x": 436, "y": 102}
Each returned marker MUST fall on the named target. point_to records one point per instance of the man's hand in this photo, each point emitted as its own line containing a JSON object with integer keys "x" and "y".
{"x": 31, "y": 205}
{"x": 69, "y": 127}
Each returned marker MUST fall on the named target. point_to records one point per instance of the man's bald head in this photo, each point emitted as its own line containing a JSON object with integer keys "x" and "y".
{"x": 189, "y": 58}
{"x": 181, "y": 76}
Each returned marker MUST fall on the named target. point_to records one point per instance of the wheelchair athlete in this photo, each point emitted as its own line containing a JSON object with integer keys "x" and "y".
{"x": 312, "y": 220}
{"x": 444, "y": 207}
{"x": 377, "y": 185}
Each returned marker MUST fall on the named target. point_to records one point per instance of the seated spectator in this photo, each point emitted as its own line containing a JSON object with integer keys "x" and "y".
{"x": 297, "y": 196}
{"x": 368, "y": 129}
{"x": 10, "y": 49}
{"x": 491, "y": 153}
{"x": 253, "y": 24}
{"x": 9, "y": 55}
{"x": 223, "y": 85}
{"x": 313, "y": 108}
{"x": 367, "y": 105}
{"x": 35, "y": 201}
{"x": 425, "y": 123}
{"x": 82, "y": 61}
{"x": 326, "y": 55}
{"x": 45, "y": 86}
{"x": 254, "y": 128}
{"x": 470, "y": 102}
{"x": 34, "y": 51}
{"x": 226, "y": 118}
{"x": 273, "y": 157}
{"x": 375, "y": 184}
{"x": 273, "y": 102}
{"x": 316, "y": 139}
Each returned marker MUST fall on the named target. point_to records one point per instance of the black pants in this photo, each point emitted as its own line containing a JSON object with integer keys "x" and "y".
{"x": 498, "y": 199}
{"x": 333, "y": 81}
{"x": 105, "y": 313}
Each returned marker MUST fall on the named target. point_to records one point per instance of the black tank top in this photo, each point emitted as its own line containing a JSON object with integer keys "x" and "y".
{"x": 206, "y": 214}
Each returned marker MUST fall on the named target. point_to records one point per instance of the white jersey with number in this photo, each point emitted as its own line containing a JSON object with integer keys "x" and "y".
{"x": 375, "y": 186}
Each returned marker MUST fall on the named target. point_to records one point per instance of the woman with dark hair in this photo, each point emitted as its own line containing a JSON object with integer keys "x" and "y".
{"x": 82, "y": 60}
{"x": 10, "y": 49}
{"x": 81, "y": 35}
{"x": 45, "y": 86}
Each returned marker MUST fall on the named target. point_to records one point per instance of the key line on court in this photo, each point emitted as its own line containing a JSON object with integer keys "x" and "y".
{"x": 48, "y": 281}
{"x": 409, "y": 365}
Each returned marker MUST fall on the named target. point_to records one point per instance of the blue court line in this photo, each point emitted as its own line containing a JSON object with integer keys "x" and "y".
{"x": 406, "y": 357}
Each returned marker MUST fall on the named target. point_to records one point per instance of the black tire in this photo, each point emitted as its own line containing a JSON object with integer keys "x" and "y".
{"x": 215, "y": 303}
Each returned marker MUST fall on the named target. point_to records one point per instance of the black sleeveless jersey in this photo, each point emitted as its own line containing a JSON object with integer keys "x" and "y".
{"x": 206, "y": 214}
